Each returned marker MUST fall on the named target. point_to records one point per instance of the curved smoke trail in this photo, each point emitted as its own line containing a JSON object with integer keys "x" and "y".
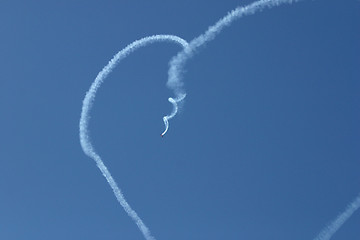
{"x": 84, "y": 120}
{"x": 177, "y": 63}
{"x": 331, "y": 229}
{"x": 174, "y": 102}
{"x": 175, "y": 83}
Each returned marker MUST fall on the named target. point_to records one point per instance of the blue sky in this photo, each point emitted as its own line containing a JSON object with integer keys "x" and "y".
{"x": 266, "y": 145}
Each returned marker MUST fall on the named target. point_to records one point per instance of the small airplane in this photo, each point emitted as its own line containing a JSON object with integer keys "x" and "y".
{"x": 162, "y": 135}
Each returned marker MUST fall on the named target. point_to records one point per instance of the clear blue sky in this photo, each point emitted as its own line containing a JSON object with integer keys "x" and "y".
{"x": 266, "y": 146}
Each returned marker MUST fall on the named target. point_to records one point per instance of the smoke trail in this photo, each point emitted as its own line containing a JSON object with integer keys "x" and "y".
{"x": 84, "y": 120}
{"x": 175, "y": 83}
{"x": 330, "y": 230}
{"x": 174, "y": 111}
{"x": 177, "y": 63}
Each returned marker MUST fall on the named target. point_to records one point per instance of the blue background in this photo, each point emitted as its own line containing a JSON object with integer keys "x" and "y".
{"x": 266, "y": 146}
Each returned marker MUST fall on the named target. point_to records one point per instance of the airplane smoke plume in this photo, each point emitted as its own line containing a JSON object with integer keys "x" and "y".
{"x": 85, "y": 113}
{"x": 176, "y": 69}
{"x": 177, "y": 63}
{"x": 331, "y": 229}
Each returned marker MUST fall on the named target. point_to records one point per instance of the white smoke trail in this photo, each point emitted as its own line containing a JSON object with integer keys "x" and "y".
{"x": 177, "y": 63}
{"x": 85, "y": 113}
{"x": 174, "y": 111}
{"x": 175, "y": 83}
{"x": 330, "y": 230}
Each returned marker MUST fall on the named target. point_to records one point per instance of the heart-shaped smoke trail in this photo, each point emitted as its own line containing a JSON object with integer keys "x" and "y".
{"x": 85, "y": 113}
{"x": 175, "y": 83}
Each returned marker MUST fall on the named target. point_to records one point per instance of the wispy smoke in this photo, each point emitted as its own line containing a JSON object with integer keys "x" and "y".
{"x": 177, "y": 63}
{"x": 85, "y": 113}
{"x": 330, "y": 230}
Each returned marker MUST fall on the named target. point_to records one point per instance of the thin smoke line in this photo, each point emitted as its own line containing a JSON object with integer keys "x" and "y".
{"x": 85, "y": 113}
{"x": 336, "y": 224}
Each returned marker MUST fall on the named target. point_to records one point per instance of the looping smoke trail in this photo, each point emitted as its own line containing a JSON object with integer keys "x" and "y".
{"x": 174, "y": 102}
{"x": 85, "y": 113}
{"x": 177, "y": 63}
{"x": 331, "y": 229}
